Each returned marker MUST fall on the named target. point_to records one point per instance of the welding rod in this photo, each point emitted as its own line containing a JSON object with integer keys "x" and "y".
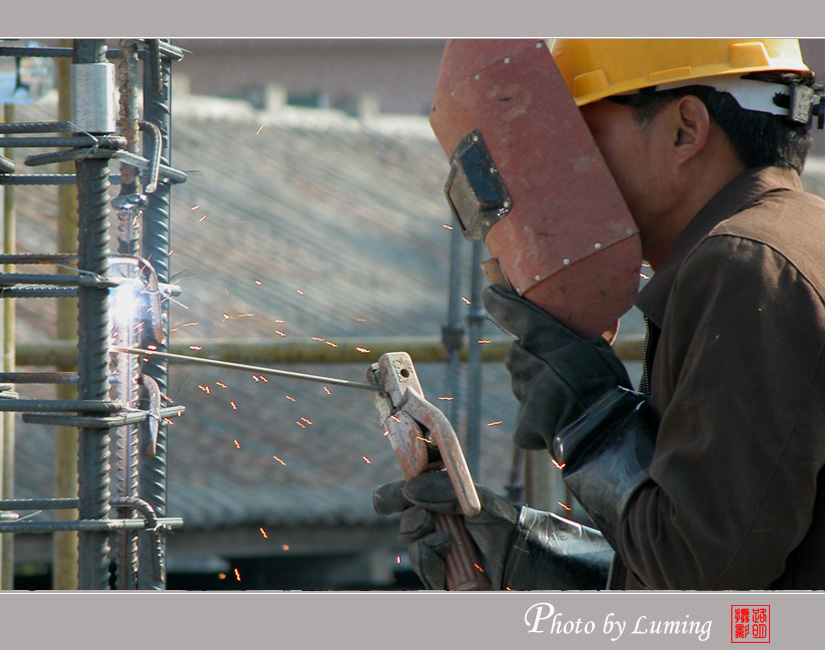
{"x": 240, "y": 366}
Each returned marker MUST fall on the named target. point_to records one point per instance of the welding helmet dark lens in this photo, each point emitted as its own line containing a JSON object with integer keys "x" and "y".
{"x": 474, "y": 188}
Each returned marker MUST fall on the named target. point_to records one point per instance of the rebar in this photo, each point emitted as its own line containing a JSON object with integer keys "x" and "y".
{"x": 105, "y": 141}
{"x": 47, "y": 179}
{"x": 36, "y": 127}
{"x": 93, "y": 350}
{"x": 60, "y": 406}
{"x": 87, "y": 527}
{"x": 157, "y": 95}
{"x": 129, "y": 207}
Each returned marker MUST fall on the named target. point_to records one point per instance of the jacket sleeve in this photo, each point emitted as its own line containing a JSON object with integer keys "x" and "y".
{"x": 739, "y": 391}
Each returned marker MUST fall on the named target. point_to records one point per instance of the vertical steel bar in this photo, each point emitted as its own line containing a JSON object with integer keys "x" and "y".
{"x": 475, "y": 326}
{"x": 93, "y": 348}
{"x": 452, "y": 333}
{"x": 125, "y": 543}
{"x": 156, "y": 247}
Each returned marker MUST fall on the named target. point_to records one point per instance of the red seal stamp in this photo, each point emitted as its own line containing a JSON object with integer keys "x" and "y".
{"x": 750, "y": 623}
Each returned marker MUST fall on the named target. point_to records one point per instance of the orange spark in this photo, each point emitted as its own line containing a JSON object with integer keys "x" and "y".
{"x": 255, "y": 377}
{"x": 195, "y": 207}
{"x": 484, "y": 341}
{"x": 237, "y": 444}
{"x": 221, "y": 576}
{"x": 290, "y": 398}
{"x": 478, "y": 566}
{"x": 264, "y": 379}
{"x": 565, "y": 506}
{"x": 234, "y": 406}
{"x": 361, "y": 320}
{"x": 195, "y": 347}
{"x": 237, "y": 574}
{"x": 307, "y": 421}
{"x": 300, "y": 424}
{"x": 280, "y": 461}
{"x": 367, "y": 460}
{"x": 446, "y": 226}
{"x": 398, "y": 559}
{"x": 445, "y": 398}
{"x": 557, "y": 464}
{"x": 317, "y": 338}
{"x": 201, "y": 219}
{"x": 494, "y": 423}
{"x": 221, "y": 384}
{"x": 258, "y": 282}
{"x": 279, "y": 321}
{"x": 327, "y": 391}
{"x": 280, "y": 333}
{"x": 261, "y": 128}
{"x": 205, "y": 389}
{"x": 466, "y": 301}
{"x": 245, "y": 315}
{"x": 362, "y": 350}
{"x": 300, "y": 293}
{"x": 331, "y": 344}
{"x": 226, "y": 316}
{"x": 285, "y": 547}
{"x": 263, "y": 532}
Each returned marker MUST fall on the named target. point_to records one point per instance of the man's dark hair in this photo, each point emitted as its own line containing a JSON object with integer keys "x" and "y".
{"x": 759, "y": 139}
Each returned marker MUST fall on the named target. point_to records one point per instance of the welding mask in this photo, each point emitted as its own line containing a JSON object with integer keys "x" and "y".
{"x": 527, "y": 179}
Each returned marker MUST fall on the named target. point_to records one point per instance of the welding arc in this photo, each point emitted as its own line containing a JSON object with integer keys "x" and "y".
{"x": 240, "y": 366}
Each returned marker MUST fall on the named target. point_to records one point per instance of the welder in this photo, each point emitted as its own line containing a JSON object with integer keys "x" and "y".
{"x": 708, "y": 476}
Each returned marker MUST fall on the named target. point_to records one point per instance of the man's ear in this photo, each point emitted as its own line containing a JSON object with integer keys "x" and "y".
{"x": 691, "y": 123}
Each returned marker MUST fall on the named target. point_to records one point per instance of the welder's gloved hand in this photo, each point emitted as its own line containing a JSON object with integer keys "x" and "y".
{"x": 519, "y": 548}
{"x": 556, "y": 375}
{"x": 419, "y": 498}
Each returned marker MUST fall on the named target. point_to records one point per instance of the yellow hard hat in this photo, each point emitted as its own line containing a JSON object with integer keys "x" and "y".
{"x": 597, "y": 68}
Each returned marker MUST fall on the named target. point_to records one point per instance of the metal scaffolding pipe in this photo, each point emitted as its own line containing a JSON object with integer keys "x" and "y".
{"x": 423, "y": 349}
{"x": 475, "y": 326}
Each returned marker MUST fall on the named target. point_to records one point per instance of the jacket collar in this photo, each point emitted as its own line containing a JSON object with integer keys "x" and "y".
{"x": 741, "y": 192}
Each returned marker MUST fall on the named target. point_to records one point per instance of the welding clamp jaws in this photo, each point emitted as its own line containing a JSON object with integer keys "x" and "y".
{"x": 424, "y": 440}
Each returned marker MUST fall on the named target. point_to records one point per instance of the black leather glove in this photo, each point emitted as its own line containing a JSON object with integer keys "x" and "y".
{"x": 605, "y": 456}
{"x": 556, "y": 375}
{"x": 519, "y": 548}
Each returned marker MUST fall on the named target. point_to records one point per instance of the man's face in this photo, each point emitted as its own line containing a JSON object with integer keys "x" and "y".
{"x": 634, "y": 155}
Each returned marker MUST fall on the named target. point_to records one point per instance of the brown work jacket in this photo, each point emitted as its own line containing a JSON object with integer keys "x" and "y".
{"x": 736, "y": 498}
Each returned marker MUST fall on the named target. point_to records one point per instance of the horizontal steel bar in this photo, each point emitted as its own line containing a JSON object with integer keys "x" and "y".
{"x": 168, "y": 50}
{"x": 107, "y": 141}
{"x": 38, "y": 258}
{"x": 85, "y": 525}
{"x": 101, "y": 422}
{"x": 56, "y": 503}
{"x": 38, "y": 292}
{"x": 37, "y": 127}
{"x": 60, "y": 405}
{"x": 47, "y": 179}
{"x": 39, "y": 377}
{"x": 78, "y": 280}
